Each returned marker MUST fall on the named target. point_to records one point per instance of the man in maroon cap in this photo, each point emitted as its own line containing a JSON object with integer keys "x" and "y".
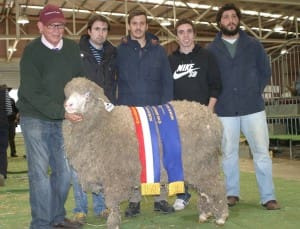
{"x": 47, "y": 64}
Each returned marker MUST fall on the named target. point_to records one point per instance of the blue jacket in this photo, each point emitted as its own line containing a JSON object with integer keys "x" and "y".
{"x": 143, "y": 74}
{"x": 244, "y": 76}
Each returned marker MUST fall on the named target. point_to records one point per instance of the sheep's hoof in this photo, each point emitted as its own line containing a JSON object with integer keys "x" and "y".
{"x": 203, "y": 217}
{"x": 220, "y": 222}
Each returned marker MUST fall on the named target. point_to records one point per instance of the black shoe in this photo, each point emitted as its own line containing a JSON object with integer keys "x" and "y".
{"x": 163, "y": 207}
{"x": 67, "y": 224}
{"x": 232, "y": 200}
{"x": 272, "y": 205}
{"x": 14, "y": 155}
{"x": 133, "y": 209}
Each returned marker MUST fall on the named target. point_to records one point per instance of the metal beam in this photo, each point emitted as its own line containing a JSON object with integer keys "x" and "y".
{"x": 286, "y": 2}
{"x": 154, "y": 18}
{"x": 118, "y": 37}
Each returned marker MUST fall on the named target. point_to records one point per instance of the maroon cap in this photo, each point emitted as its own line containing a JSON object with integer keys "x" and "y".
{"x": 51, "y": 14}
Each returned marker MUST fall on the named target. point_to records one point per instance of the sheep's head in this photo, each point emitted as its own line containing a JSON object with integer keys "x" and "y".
{"x": 76, "y": 103}
{"x": 82, "y": 95}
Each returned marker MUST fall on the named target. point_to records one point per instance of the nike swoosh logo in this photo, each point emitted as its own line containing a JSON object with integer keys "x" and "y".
{"x": 177, "y": 76}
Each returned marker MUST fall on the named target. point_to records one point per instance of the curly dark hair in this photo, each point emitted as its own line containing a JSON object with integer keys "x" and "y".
{"x": 228, "y": 6}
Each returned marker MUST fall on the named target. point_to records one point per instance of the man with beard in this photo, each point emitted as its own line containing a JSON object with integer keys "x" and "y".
{"x": 245, "y": 71}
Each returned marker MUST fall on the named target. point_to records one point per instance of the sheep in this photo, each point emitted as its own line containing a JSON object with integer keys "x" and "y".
{"x": 103, "y": 148}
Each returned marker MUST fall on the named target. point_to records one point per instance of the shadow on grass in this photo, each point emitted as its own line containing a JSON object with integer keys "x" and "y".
{"x": 17, "y": 172}
{"x": 17, "y": 191}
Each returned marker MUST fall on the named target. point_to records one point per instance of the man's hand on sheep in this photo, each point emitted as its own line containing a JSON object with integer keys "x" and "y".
{"x": 74, "y": 105}
{"x": 73, "y": 117}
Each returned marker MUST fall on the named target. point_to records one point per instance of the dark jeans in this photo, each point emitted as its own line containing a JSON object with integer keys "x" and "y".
{"x": 3, "y": 148}
{"x": 11, "y": 137}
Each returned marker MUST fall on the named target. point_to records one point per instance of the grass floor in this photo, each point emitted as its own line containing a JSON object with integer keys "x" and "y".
{"x": 15, "y": 209}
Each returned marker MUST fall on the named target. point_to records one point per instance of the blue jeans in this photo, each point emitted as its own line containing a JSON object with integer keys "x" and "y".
{"x": 81, "y": 200}
{"x": 48, "y": 190}
{"x": 255, "y": 129}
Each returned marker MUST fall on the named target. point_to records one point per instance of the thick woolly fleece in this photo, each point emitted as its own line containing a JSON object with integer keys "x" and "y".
{"x": 109, "y": 140}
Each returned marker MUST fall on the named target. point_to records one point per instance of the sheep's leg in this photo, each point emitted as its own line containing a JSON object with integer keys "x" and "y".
{"x": 219, "y": 206}
{"x": 114, "y": 218}
{"x": 213, "y": 201}
{"x": 204, "y": 207}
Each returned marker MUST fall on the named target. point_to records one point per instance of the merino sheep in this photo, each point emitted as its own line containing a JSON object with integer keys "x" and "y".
{"x": 104, "y": 148}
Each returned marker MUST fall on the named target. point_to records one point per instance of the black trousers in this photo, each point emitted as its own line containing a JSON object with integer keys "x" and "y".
{"x": 3, "y": 148}
{"x": 11, "y": 137}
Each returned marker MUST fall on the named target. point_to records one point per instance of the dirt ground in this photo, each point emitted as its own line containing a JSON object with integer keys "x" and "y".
{"x": 282, "y": 167}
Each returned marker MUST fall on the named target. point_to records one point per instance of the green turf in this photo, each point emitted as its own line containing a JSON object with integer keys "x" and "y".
{"x": 15, "y": 209}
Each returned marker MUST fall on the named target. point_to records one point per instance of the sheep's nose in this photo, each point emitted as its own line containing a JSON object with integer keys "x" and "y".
{"x": 68, "y": 105}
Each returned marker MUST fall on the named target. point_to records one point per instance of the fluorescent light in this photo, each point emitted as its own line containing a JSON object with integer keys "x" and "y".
{"x": 278, "y": 28}
{"x": 23, "y": 19}
{"x": 165, "y": 23}
{"x": 11, "y": 49}
{"x": 283, "y": 51}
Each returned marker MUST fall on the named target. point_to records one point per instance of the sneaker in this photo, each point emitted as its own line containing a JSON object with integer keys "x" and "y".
{"x": 2, "y": 180}
{"x": 14, "y": 155}
{"x": 133, "y": 209}
{"x": 232, "y": 200}
{"x": 272, "y": 205}
{"x": 80, "y": 218}
{"x": 163, "y": 207}
{"x": 180, "y": 204}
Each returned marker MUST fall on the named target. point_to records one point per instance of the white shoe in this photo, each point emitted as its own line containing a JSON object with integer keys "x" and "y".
{"x": 179, "y": 204}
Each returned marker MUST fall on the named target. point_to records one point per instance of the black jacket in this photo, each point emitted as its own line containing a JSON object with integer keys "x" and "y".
{"x": 3, "y": 113}
{"x": 103, "y": 73}
{"x": 196, "y": 75}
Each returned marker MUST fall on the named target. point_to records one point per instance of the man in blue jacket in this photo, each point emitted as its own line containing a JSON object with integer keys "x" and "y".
{"x": 144, "y": 74}
{"x": 143, "y": 78}
{"x": 245, "y": 71}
